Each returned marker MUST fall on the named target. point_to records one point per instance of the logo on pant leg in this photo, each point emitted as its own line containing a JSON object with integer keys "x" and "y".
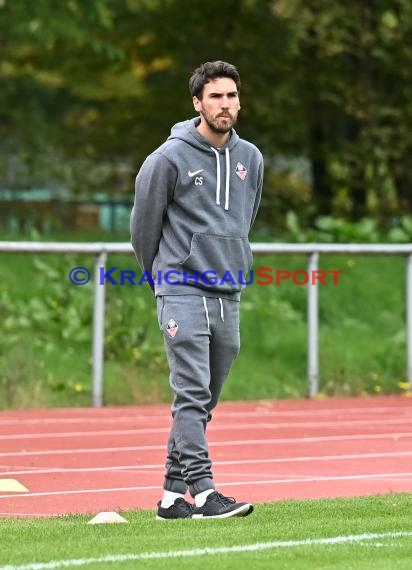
{"x": 171, "y": 327}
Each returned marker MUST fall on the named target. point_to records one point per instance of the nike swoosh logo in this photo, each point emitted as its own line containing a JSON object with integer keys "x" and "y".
{"x": 195, "y": 172}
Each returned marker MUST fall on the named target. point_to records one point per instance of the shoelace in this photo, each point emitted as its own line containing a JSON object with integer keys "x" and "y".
{"x": 225, "y": 500}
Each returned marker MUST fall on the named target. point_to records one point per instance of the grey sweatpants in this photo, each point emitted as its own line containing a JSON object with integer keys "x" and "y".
{"x": 202, "y": 340}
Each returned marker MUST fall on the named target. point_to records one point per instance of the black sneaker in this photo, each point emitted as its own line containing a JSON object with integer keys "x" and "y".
{"x": 217, "y": 506}
{"x": 180, "y": 509}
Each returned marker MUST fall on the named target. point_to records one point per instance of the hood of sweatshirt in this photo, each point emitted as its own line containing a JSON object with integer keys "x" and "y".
{"x": 187, "y": 132}
{"x": 194, "y": 206}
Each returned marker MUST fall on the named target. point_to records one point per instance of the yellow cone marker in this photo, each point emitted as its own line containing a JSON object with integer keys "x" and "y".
{"x": 107, "y": 518}
{"x": 12, "y": 486}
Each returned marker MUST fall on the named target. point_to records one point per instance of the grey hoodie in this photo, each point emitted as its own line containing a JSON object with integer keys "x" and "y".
{"x": 194, "y": 206}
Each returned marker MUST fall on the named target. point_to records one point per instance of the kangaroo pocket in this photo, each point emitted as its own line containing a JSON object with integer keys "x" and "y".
{"x": 219, "y": 262}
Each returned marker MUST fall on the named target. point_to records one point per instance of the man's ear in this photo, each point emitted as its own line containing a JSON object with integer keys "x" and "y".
{"x": 197, "y": 103}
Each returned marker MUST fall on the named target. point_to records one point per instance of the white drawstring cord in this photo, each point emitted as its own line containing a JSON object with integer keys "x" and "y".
{"x": 217, "y": 176}
{"x": 222, "y": 316}
{"x": 206, "y": 313}
{"x": 227, "y": 179}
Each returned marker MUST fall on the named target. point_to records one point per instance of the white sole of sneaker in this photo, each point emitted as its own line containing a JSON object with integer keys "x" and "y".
{"x": 158, "y": 518}
{"x": 242, "y": 511}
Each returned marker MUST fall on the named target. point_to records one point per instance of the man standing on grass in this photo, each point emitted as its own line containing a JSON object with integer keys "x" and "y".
{"x": 196, "y": 199}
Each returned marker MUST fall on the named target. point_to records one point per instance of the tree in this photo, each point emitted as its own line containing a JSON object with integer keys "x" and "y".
{"x": 89, "y": 87}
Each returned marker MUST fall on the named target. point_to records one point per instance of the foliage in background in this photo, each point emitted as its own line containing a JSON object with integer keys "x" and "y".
{"x": 45, "y": 338}
{"x": 88, "y": 88}
{"x": 333, "y": 229}
{"x": 46, "y": 333}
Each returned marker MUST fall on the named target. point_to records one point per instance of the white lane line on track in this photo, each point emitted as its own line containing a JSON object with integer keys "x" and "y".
{"x": 82, "y": 434}
{"x": 194, "y": 552}
{"x": 156, "y": 466}
{"x": 290, "y": 480}
{"x": 31, "y": 515}
{"x": 318, "y": 439}
{"x": 214, "y": 428}
{"x": 258, "y": 413}
{"x": 19, "y": 421}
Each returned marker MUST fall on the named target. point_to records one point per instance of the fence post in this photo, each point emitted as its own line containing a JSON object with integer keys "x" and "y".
{"x": 313, "y": 327}
{"x": 98, "y": 331}
{"x": 409, "y": 318}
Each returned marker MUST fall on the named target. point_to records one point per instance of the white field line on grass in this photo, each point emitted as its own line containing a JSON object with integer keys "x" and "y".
{"x": 310, "y": 439}
{"x": 156, "y": 466}
{"x": 256, "y": 482}
{"x": 216, "y": 428}
{"x": 259, "y": 413}
{"x": 194, "y": 552}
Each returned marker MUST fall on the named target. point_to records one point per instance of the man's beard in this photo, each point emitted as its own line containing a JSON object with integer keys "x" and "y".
{"x": 216, "y": 125}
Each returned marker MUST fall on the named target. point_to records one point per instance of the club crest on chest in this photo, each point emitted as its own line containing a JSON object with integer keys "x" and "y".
{"x": 241, "y": 170}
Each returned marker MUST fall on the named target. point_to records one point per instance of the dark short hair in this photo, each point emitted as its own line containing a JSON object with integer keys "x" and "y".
{"x": 209, "y": 71}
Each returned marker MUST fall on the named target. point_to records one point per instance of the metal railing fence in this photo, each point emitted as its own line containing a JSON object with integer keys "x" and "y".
{"x": 311, "y": 250}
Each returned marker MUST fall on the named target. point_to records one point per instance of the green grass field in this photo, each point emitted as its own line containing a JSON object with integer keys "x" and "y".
{"x": 369, "y": 533}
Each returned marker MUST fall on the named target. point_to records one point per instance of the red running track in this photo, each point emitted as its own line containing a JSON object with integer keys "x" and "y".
{"x": 91, "y": 460}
